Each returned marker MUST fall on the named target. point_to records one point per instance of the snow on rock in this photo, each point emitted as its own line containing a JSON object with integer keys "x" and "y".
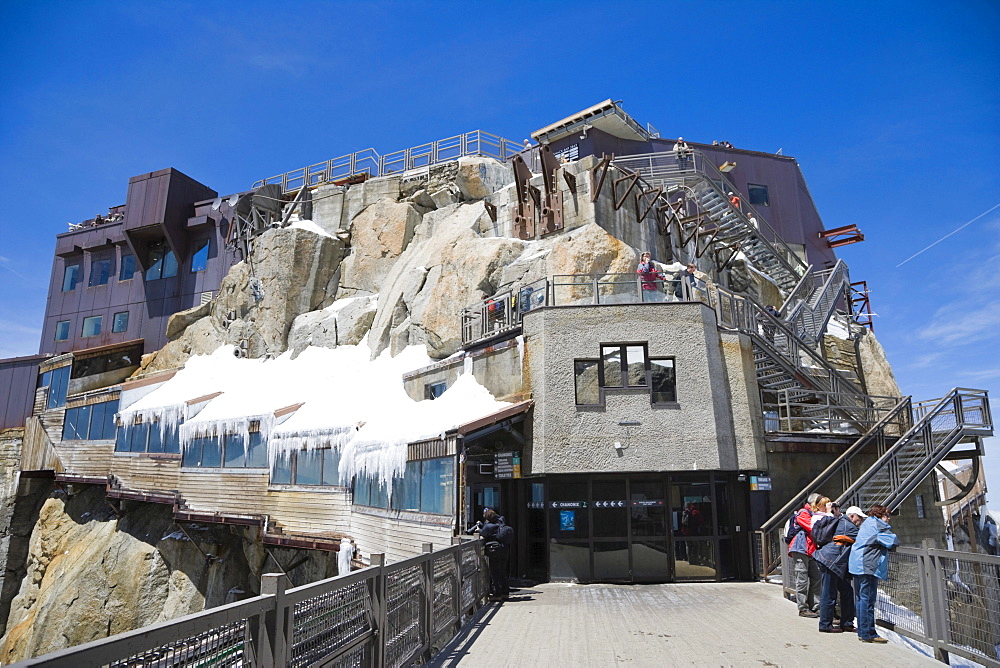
{"x": 310, "y": 226}
{"x": 838, "y": 328}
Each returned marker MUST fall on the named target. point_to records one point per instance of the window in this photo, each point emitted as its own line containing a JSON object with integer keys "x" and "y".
{"x": 92, "y": 325}
{"x": 663, "y": 385}
{"x": 120, "y": 322}
{"x": 758, "y": 195}
{"x": 921, "y": 513}
{"x": 89, "y": 364}
{"x": 100, "y": 272}
{"x": 57, "y": 380}
{"x": 162, "y": 263}
{"x": 227, "y": 451}
{"x": 71, "y": 276}
{"x": 623, "y": 365}
{"x": 588, "y": 389}
{"x": 199, "y": 260}
{"x": 128, "y": 267}
{"x": 435, "y": 390}
{"x": 151, "y": 437}
{"x": 62, "y": 330}
{"x": 426, "y": 486}
{"x": 306, "y": 467}
{"x": 95, "y": 422}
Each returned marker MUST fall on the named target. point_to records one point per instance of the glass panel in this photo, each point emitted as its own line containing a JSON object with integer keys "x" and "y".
{"x": 435, "y": 390}
{"x": 96, "y": 431}
{"x": 758, "y": 195}
{"x": 211, "y": 452}
{"x": 124, "y": 357}
{"x": 662, "y": 374}
{"x": 694, "y": 559}
{"x": 610, "y": 508}
{"x": 281, "y": 470}
{"x": 362, "y": 490}
{"x": 406, "y": 490}
{"x": 121, "y": 441}
{"x": 611, "y": 359}
{"x": 120, "y": 323}
{"x": 611, "y": 560}
{"x": 568, "y": 518}
{"x": 727, "y": 565}
{"x": 71, "y": 275}
{"x": 635, "y": 358}
{"x": 154, "y": 263}
{"x": 722, "y": 508}
{"x": 192, "y": 453}
{"x": 44, "y": 379}
{"x": 437, "y": 484}
{"x": 308, "y": 467}
{"x": 70, "y": 429}
{"x": 108, "y": 425}
{"x": 257, "y": 456}
{"x": 569, "y": 561}
{"x": 171, "y": 439}
{"x": 127, "y": 268}
{"x": 62, "y": 330}
{"x": 58, "y": 385}
{"x": 169, "y": 264}
{"x": 155, "y": 437}
{"x": 380, "y": 495}
{"x": 587, "y": 389}
{"x": 234, "y": 455}
{"x": 92, "y": 325}
{"x": 648, "y": 508}
{"x": 138, "y": 435}
{"x": 691, "y": 509}
{"x": 200, "y": 258}
{"x": 100, "y": 272}
{"x": 650, "y": 559}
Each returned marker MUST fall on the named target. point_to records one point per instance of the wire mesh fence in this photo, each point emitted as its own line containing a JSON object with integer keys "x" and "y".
{"x": 325, "y": 623}
{"x": 223, "y": 646}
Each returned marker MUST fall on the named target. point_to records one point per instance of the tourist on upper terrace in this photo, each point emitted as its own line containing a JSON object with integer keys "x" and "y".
{"x": 869, "y": 563}
{"x": 652, "y": 279}
{"x": 800, "y": 550}
{"x": 686, "y": 276}
{"x": 682, "y": 152}
{"x": 834, "y": 534}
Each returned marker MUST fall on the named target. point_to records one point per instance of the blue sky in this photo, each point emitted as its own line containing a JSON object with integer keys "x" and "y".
{"x": 892, "y": 109}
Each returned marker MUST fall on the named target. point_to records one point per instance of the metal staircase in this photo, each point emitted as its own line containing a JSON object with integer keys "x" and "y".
{"x": 888, "y": 462}
{"x": 808, "y": 308}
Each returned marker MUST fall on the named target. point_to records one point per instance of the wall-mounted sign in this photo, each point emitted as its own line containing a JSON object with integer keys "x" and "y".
{"x": 646, "y": 503}
{"x": 568, "y": 504}
{"x": 507, "y": 465}
{"x": 760, "y": 483}
{"x": 609, "y": 504}
{"x": 567, "y": 520}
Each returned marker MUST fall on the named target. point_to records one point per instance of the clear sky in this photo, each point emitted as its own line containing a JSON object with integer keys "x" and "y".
{"x": 892, "y": 109}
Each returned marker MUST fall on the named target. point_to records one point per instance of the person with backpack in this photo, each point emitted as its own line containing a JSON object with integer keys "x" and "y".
{"x": 497, "y": 538}
{"x": 800, "y": 550}
{"x": 834, "y": 535}
{"x": 869, "y": 563}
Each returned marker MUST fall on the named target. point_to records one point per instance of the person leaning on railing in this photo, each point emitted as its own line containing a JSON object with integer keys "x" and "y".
{"x": 869, "y": 563}
{"x": 651, "y": 278}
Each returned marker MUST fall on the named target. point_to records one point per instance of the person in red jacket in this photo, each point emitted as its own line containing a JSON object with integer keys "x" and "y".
{"x": 652, "y": 279}
{"x": 805, "y": 571}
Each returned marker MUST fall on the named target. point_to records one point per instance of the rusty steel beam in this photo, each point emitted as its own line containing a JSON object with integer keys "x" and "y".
{"x": 551, "y": 209}
{"x": 650, "y": 203}
{"x": 596, "y": 184}
{"x": 633, "y": 180}
{"x": 524, "y": 216}
{"x": 570, "y": 180}
{"x": 491, "y": 209}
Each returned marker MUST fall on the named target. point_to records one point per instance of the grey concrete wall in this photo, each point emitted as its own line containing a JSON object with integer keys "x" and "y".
{"x": 497, "y": 368}
{"x": 696, "y": 434}
{"x": 747, "y": 414}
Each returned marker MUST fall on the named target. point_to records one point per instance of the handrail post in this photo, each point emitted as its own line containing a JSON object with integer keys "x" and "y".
{"x": 274, "y": 635}
{"x": 427, "y": 609}
{"x": 379, "y": 597}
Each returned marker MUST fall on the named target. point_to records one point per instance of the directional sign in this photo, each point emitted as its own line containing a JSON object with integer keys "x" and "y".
{"x": 609, "y": 504}
{"x": 569, "y": 504}
{"x": 760, "y": 483}
{"x": 645, "y": 503}
{"x": 507, "y": 465}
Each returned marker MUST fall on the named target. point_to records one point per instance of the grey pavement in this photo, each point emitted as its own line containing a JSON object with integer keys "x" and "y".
{"x": 711, "y": 624}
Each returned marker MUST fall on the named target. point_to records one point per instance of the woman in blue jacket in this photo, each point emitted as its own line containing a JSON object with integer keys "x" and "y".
{"x": 869, "y": 563}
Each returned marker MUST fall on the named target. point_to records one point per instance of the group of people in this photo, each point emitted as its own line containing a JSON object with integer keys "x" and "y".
{"x": 497, "y": 537}
{"x": 839, "y": 555}
{"x": 652, "y": 278}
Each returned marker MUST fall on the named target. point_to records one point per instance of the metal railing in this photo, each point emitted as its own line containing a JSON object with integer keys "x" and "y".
{"x": 368, "y": 162}
{"x": 385, "y": 615}
{"x": 947, "y": 600}
{"x": 801, "y": 411}
{"x": 808, "y": 308}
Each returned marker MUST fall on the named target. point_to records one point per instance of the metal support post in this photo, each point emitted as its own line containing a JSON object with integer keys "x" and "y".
{"x": 272, "y": 636}
{"x": 427, "y": 607}
{"x": 380, "y": 600}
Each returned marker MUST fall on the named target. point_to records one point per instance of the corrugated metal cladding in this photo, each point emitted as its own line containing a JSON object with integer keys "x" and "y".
{"x": 441, "y": 447}
{"x": 18, "y": 374}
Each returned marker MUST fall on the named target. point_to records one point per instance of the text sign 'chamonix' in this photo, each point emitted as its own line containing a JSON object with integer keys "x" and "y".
{"x": 507, "y": 465}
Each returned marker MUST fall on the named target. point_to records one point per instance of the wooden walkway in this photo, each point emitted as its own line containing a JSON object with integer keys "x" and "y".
{"x": 728, "y": 624}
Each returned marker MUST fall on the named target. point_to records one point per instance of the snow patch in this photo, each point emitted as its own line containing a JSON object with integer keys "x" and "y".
{"x": 310, "y": 226}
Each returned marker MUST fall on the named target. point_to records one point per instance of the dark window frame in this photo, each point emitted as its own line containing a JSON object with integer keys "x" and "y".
{"x": 68, "y": 325}
{"x": 158, "y": 265}
{"x": 100, "y": 326}
{"x": 74, "y": 280}
{"x": 199, "y": 246}
{"x": 624, "y": 364}
{"x": 114, "y": 322}
{"x": 292, "y": 463}
{"x": 129, "y": 260}
{"x": 430, "y": 389}
{"x": 600, "y": 392}
{"x": 673, "y": 365}
{"x": 603, "y": 387}
{"x": 752, "y": 199}
{"x": 105, "y": 276}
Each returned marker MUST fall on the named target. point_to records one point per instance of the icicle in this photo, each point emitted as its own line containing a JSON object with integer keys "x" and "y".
{"x": 467, "y": 364}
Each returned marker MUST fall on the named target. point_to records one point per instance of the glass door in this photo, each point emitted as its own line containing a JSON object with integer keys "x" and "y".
{"x": 648, "y": 531}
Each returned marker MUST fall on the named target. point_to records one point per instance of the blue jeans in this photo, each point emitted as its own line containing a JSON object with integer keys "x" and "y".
{"x": 866, "y": 587}
{"x": 833, "y": 585}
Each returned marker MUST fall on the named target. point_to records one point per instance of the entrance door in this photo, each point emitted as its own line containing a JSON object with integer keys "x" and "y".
{"x": 648, "y": 530}
{"x": 484, "y": 495}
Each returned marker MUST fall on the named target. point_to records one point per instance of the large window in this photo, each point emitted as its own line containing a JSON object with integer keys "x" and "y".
{"x": 95, "y": 422}
{"x": 92, "y": 326}
{"x": 199, "y": 260}
{"x": 88, "y": 364}
{"x": 758, "y": 195}
{"x": 226, "y": 451}
{"x": 307, "y": 467}
{"x": 62, "y": 330}
{"x": 120, "y": 322}
{"x": 71, "y": 276}
{"x": 57, "y": 380}
{"x": 624, "y": 366}
{"x": 100, "y": 271}
{"x": 148, "y": 437}
{"x": 161, "y": 262}
{"x": 128, "y": 267}
{"x": 426, "y": 486}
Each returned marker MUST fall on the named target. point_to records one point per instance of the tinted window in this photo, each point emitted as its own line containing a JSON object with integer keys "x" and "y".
{"x": 199, "y": 261}
{"x": 161, "y": 262}
{"x": 120, "y": 323}
{"x": 92, "y": 325}
{"x": 234, "y": 455}
{"x": 611, "y": 361}
{"x": 127, "y": 268}
{"x": 664, "y": 387}
{"x": 71, "y": 275}
{"x": 758, "y": 195}
{"x": 308, "y": 467}
{"x": 62, "y": 330}
{"x": 435, "y": 390}
{"x": 257, "y": 451}
{"x": 281, "y": 471}
{"x": 100, "y": 272}
{"x": 585, "y": 375}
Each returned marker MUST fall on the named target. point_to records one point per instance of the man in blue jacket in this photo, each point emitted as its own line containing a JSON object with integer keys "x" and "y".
{"x": 835, "y": 535}
{"x": 869, "y": 563}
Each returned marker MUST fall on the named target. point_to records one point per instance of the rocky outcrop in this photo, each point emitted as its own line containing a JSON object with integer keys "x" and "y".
{"x": 879, "y": 379}
{"x": 93, "y": 574}
{"x": 379, "y": 235}
{"x": 343, "y": 323}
